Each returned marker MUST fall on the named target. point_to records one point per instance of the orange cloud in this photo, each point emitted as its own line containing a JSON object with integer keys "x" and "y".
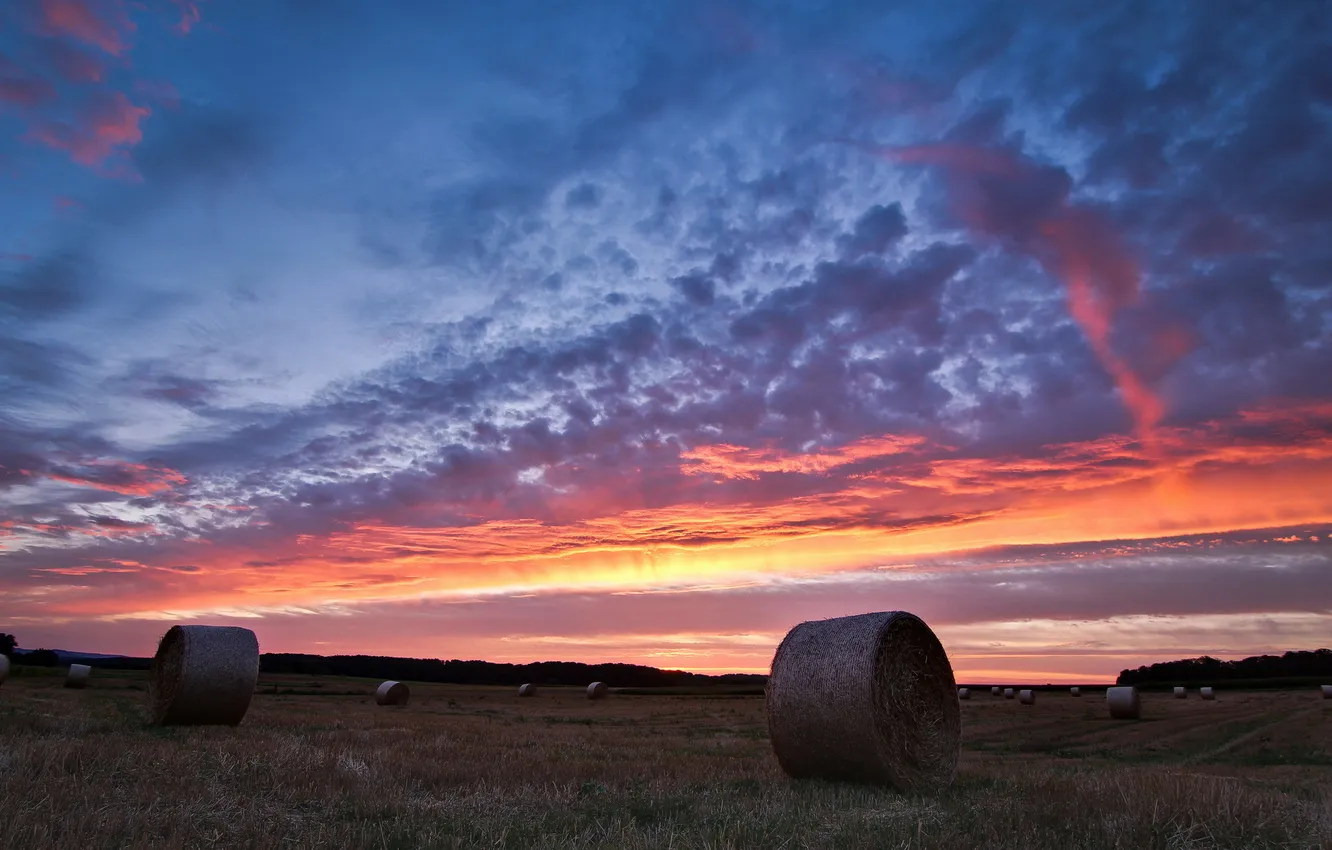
{"x": 737, "y": 462}
{"x": 128, "y": 479}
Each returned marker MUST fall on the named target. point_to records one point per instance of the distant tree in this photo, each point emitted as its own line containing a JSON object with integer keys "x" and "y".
{"x": 41, "y": 658}
{"x": 7, "y": 644}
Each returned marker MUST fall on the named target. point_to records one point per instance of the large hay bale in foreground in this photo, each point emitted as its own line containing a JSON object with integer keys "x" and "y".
{"x": 596, "y": 690}
{"x": 1009, "y": 693}
{"x": 78, "y": 676}
{"x": 1076, "y": 692}
{"x": 392, "y": 693}
{"x": 1027, "y": 697}
{"x": 1207, "y": 693}
{"x": 1123, "y": 703}
{"x": 995, "y": 691}
{"x": 1181, "y": 693}
{"x": 528, "y": 690}
{"x": 4, "y": 668}
{"x": 203, "y": 676}
{"x": 867, "y": 698}
{"x": 964, "y": 693}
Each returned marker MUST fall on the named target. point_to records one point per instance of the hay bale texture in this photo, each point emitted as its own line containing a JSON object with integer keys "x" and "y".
{"x": 1207, "y": 693}
{"x": 995, "y": 691}
{"x": 1077, "y": 692}
{"x": 1181, "y": 693}
{"x": 597, "y": 690}
{"x": 78, "y": 676}
{"x": 1123, "y": 703}
{"x": 203, "y": 676}
{"x": 392, "y": 693}
{"x": 1027, "y": 697}
{"x": 1009, "y": 693}
{"x": 4, "y": 668}
{"x": 964, "y": 693}
{"x": 528, "y": 690}
{"x": 867, "y": 698}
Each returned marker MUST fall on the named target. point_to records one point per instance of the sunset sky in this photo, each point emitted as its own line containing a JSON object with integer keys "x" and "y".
{"x": 630, "y": 331}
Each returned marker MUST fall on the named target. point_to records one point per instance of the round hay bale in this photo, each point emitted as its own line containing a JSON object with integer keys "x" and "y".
{"x": 1327, "y": 691}
{"x": 392, "y": 693}
{"x": 867, "y": 698}
{"x": 528, "y": 690}
{"x": 4, "y": 668}
{"x": 1206, "y": 693}
{"x": 596, "y": 690}
{"x": 1181, "y": 693}
{"x": 1123, "y": 703}
{"x": 1027, "y": 697}
{"x": 964, "y": 693}
{"x": 1077, "y": 692}
{"x": 1008, "y": 693}
{"x": 995, "y": 691}
{"x": 203, "y": 676}
{"x": 78, "y": 676}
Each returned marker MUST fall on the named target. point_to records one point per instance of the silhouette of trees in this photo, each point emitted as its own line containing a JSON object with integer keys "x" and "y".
{"x": 1208, "y": 669}
{"x": 7, "y": 644}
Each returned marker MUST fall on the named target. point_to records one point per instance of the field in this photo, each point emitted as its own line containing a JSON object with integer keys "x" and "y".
{"x": 317, "y": 764}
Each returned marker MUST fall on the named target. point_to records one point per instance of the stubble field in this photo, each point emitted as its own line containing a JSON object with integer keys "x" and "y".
{"x": 318, "y": 764}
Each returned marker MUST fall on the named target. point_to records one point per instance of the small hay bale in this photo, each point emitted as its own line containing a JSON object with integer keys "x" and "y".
{"x": 1076, "y": 692}
{"x": 392, "y": 693}
{"x": 1181, "y": 693}
{"x": 596, "y": 690}
{"x": 203, "y": 676}
{"x": 1027, "y": 697}
{"x": 1009, "y": 693}
{"x": 867, "y": 698}
{"x": 78, "y": 676}
{"x": 1206, "y": 693}
{"x": 1327, "y": 691}
{"x": 528, "y": 690}
{"x": 995, "y": 691}
{"x": 1123, "y": 703}
{"x": 4, "y": 668}
{"x": 964, "y": 693}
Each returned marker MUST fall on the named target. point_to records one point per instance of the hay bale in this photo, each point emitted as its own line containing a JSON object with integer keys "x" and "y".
{"x": 528, "y": 690}
{"x": 1206, "y": 693}
{"x": 1327, "y": 691}
{"x": 4, "y": 668}
{"x": 1123, "y": 703}
{"x": 392, "y": 693}
{"x": 995, "y": 691}
{"x": 1009, "y": 693}
{"x": 78, "y": 676}
{"x": 1076, "y": 692}
{"x": 964, "y": 693}
{"x": 1027, "y": 697}
{"x": 596, "y": 690}
{"x": 1181, "y": 693}
{"x": 203, "y": 676}
{"x": 867, "y": 698}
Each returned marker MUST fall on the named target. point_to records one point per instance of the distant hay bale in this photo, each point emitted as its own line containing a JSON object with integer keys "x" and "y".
{"x": 964, "y": 693}
{"x": 1181, "y": 693}
{"x": 1123, "y": 703}
{"x": 1027, "y": 697}
{"x": 1008, "y": 693}
{"x": 1327, "y": 691}
{"x": 203, "y": 676}
{"x": 78, "y": 676}
{"x": 4, "y": 668}
{"x": 596, "y": 690}
{"x": 866, "y": 698}
{"x": 392, "y": 693}
{"x": 528, "y": 690}
{"x": 1206, "y": 693}
{"x": 995, "y": 691}
{"x": 1077, "y": 692}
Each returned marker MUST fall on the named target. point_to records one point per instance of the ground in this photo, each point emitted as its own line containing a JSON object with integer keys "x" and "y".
{"x": 317, "y": 764}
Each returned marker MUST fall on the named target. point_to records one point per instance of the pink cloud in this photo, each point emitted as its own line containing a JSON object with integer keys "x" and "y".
{"x": 102, "y": 24}
{"x": 20, "y": 88}
{"x": 189, "y": 16}
{"x": 73, "y": 64}
{"x": 107, "y": 123}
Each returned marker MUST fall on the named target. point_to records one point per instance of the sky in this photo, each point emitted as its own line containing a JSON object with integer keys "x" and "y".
{"x": 605, "y": 331}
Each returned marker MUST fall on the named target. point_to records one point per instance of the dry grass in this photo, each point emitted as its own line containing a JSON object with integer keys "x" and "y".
{"x": 81, "y": 770}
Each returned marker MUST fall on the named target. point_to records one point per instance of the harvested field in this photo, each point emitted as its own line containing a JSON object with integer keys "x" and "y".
{"x": 83, "y": 769}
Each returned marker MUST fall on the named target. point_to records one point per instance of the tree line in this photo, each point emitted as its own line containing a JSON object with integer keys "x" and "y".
{"x": 1208, "y": 669}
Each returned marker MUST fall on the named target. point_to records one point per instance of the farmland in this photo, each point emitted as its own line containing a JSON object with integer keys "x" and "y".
{"x": 316, "y": 763}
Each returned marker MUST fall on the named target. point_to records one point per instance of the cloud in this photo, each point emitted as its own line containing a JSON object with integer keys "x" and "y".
{"x": 101, "y": 23}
